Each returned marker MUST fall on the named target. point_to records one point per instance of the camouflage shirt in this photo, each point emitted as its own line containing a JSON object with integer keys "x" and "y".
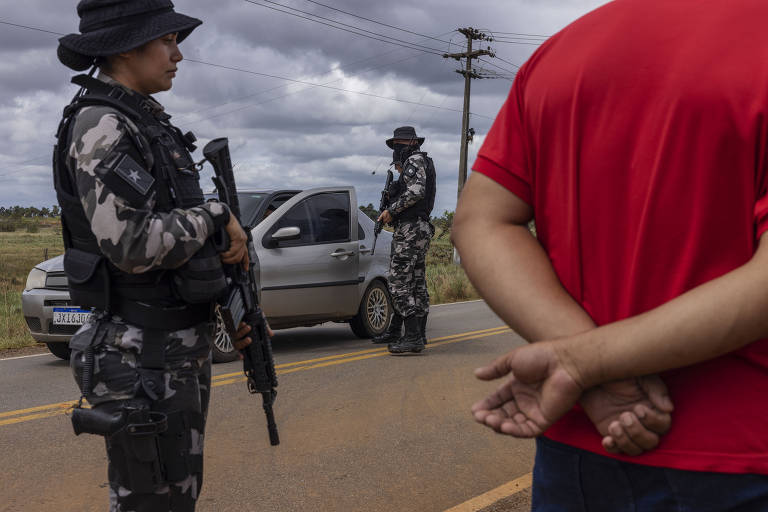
{"x": 413, "y": 184}
{"x": 132, "y": 236}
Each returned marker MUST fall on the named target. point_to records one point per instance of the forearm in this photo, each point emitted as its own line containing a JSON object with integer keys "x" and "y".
{"x": 137, "y": 240}
{"x": 515, "y": 277}
{"x": 710, "y": 320}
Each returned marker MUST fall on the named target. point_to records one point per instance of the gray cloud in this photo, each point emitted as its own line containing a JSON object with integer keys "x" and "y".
{"x": 283, "y": 134}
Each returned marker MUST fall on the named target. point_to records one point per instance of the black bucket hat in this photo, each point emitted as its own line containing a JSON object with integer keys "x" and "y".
{"x": 109, "y": 27}
{"x": 406, "y": 133}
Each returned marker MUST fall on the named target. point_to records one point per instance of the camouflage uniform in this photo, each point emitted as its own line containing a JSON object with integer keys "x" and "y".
{"x": 137, "y": 239}
{"x": 410, "y": 242}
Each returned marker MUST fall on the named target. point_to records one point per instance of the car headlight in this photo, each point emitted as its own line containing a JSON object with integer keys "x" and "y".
{"x": 35, "y": 279}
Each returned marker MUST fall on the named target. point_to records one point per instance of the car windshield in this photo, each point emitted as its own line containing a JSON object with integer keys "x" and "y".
{"x": 249, "y": 202}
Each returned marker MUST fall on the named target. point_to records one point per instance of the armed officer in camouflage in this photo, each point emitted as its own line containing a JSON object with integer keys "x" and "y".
{"x": 140, "y": 252}
{"x": 412, "y": 198}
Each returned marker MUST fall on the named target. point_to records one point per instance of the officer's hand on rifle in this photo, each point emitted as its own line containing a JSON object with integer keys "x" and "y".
{"x": 243, "y": 340}
{"x": 238, "y": 250}
{"x": 385, "y": 217}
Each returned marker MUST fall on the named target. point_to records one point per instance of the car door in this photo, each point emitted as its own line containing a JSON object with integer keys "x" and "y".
{"x": 314, "y": 275}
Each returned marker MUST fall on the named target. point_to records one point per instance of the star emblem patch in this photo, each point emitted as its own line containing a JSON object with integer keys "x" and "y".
{"x": 134, "y": 174}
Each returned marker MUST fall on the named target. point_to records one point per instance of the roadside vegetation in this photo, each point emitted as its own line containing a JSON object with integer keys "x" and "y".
{"x": 26, "y": 241}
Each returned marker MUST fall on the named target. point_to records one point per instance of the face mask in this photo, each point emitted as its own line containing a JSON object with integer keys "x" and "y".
{"x": 401, "y": 152}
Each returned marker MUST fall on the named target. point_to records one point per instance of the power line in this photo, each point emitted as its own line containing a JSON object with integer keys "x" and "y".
{"x": 328, "y": 87}
{"x": 32, "y": 28}
{"x": 507, "y": 62}
{"x": 379, "y": 22}
{"x": 295, "y": 92}
{"x": 519, "y": 34}
{"x": 517, "y": 42}
{"x": 390, "y": 40}
{"x": 497, "y": 66}
{"x": 284, "y": 95}
{"x": 520, "y": 38}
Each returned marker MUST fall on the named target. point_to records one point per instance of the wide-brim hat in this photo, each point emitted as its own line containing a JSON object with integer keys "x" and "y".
{"x": 109, "y": 27}
{"x": 405, "y": 133}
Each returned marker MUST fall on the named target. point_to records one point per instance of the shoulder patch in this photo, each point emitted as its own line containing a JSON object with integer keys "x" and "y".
{"x": 133, "y": 174}
{"x": 410, "y": 170}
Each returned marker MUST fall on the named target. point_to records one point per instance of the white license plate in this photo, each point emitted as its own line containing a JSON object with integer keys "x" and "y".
{"x": 70, "y": 316}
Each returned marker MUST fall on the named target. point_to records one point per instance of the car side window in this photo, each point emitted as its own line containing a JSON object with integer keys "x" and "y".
{"x": 322, "y": 218}
{"x": 298, "y": 216}
{"x": 360, "y": 232}
{"x": 330, "y": 215}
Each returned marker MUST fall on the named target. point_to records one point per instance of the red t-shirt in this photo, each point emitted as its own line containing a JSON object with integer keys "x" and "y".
{"x": 638, "y": 134}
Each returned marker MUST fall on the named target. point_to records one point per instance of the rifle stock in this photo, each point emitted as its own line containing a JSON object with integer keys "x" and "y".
{"x": 242, "y": 302}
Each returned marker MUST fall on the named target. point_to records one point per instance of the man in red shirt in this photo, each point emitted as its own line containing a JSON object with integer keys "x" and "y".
{"x": 636, "y": 138}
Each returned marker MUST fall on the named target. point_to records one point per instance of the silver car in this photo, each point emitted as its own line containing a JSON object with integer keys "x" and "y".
{"x": 314, "y": 265}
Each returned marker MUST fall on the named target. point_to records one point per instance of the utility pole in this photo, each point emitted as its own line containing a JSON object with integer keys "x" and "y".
{"x": 466, "y": 132}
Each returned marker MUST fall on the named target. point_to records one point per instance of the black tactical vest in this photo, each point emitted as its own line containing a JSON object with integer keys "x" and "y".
{"x": 423, "y": 207}
{"x": 157, "y": 299}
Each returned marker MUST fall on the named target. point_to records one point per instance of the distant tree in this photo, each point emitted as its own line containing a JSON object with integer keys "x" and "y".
{"x": 370, "y": 211}
{"x": 443, "y": 223}
{"x": 45, "y": 212}
{"x": 55, "y": 210}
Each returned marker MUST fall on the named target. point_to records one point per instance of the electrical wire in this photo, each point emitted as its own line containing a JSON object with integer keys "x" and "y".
{"x": 390, "y": 40}
{"x": 379, "y": 22}
{"x": 362, "y": 93}
{"x": 32, "y": 28}
{"x": 497, "y": 66}
{"x": 519, "y": 34}
{"x": 517, "y": 42}
{"x": 507, "y": 62}
{"x": 343, "y": 67}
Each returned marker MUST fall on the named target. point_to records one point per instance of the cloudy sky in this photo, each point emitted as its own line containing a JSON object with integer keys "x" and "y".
{"x": 304, "y": 102}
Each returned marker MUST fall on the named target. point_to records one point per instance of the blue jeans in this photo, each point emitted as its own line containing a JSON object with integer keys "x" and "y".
{"x": 567, "y": 479}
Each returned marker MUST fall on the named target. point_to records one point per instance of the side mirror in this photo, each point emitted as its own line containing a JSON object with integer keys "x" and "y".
{"x": 283, "y": 234}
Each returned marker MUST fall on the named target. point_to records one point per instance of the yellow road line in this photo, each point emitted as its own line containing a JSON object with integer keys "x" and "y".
{"x": 60, "y": 405}
{"x": 361, "y": 352}
{"x": 238, "y": 377}
{"x": 494, "y": 495}
{"x": 47, "y": 411}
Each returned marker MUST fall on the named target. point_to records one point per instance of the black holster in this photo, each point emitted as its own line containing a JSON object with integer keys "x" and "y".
{"x": 134, "y": 450}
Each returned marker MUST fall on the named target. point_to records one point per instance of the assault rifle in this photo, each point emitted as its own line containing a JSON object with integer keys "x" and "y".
{"x": 242, "y": 303}
{"x": 383, "y": 205}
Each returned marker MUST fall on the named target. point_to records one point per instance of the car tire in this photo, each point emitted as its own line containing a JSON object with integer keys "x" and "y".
{"x": 374, "y": 314}
{"x": 59, "y": 349}
{"x": 223, "y": 350}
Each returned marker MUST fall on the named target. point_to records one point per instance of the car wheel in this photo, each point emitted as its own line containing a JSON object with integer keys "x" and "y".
{"x": 223, "y": 350}
{"x": 59, "y": 349}
{"x": 375, "y": 311}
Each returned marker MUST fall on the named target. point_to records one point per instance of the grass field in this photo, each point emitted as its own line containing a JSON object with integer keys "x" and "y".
{"x": 20, "y": 250}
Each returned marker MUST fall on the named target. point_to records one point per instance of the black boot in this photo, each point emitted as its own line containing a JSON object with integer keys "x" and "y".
{"x": 393, "y": 332}
{"x": 423, "y": 320}
{"x": 411, "y": 340}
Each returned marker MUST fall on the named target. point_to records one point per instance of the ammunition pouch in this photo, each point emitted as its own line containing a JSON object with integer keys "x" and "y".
{"x": 201, "y": 280}
{"x": 88, "y": 279}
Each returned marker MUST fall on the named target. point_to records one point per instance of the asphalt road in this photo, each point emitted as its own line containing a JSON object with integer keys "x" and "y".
{"x": 360, "y": 429}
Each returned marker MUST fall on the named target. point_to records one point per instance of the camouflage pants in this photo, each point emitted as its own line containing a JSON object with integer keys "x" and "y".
{"x": 407, "y": 267}
{"x": 180, "y": 390}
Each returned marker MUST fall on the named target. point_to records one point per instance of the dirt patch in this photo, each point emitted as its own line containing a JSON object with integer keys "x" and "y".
{"x": 39, "y": 348}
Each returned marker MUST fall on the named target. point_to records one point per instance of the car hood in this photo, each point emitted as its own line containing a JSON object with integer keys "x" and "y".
{"x": 52, "y": 265}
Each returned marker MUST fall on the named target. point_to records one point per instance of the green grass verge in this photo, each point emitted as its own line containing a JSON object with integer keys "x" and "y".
{"x": 20, "y": 250}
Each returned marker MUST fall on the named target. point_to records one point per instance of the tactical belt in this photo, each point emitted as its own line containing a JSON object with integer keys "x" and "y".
{"x": 157, "y": 317}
